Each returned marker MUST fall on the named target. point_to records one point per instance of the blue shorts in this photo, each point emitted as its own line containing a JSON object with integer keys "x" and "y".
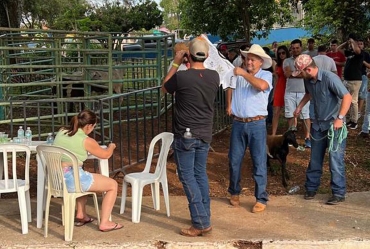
{"x": 86, "y": 179}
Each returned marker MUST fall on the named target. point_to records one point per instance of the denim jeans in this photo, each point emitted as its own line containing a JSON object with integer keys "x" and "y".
{"x": 319, "y": 144}
{"x": 363, "y": 89}
{"x": 252, "y": 135}
{"x": 191, "y": 160}
{"x": 365, "y": 125}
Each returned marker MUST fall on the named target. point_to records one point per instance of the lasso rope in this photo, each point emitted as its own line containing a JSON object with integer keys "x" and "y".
{"x": 341, "y": 135}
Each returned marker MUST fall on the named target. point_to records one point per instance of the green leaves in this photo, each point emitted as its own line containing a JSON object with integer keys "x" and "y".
{"x": 236, "y": 19}
{"x": 111, "y": 16}
{"x": 337, "y": 18}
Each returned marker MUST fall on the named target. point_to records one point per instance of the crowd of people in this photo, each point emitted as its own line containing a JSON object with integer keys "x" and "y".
{"x": 317, "y": 86}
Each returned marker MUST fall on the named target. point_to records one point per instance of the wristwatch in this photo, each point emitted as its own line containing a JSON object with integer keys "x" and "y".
{"x": 340, "y": 117}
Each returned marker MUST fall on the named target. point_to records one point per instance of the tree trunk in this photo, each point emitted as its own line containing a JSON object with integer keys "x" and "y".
{"x": 11, "y": 13}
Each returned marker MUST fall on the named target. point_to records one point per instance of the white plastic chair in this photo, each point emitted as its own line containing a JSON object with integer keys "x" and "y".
{"x": 139, "y": 179}
{"x": 51, "y": 157}
{"x": 11, "y": 183}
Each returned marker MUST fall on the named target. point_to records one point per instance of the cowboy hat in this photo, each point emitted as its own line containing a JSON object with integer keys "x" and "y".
{"x": 258, "y": 50}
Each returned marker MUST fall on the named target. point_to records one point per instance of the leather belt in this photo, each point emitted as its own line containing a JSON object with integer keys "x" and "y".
{"x": 251, "y": 119}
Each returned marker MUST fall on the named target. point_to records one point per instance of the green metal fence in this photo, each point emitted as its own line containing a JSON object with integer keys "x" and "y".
{"x": 39, "y": 64}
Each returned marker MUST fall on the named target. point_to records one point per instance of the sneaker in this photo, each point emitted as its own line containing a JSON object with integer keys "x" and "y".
{"x": 363, "y": 134}
{"x": 334, "y": 200}
{"x": 349, "y": 123}
{"x": 309, "y": 195}
{"x": 307, "y": 143}
{"x": 352, "y": 126}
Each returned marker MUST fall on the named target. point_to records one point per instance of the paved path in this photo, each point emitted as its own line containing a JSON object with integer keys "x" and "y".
{"x": 288, "y": 222}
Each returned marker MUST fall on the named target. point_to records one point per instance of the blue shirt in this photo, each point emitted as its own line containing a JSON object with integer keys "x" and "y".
{"x": 326, "y": 94}
{"x": 247, "y": 101}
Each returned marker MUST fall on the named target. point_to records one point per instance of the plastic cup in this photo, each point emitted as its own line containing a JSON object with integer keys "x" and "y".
{"x": 3, "y": 137}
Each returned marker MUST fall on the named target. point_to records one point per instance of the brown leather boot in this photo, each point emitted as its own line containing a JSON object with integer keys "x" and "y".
{"x": 193, "y": 232}
{"x": 258, "y": 207}
{"x": 234, "y": 200}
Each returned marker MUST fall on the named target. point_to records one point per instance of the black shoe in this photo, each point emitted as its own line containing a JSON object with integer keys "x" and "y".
{"x": 352, "y": 126}
{"x": 309, "y": 195}
{"x": 363, "y": 135}
{"x": 349, "y": 123}
{"x": 334, "y": 200}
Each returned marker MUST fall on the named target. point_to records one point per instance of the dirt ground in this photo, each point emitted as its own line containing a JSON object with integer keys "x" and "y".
{"x": 357, "y": 161}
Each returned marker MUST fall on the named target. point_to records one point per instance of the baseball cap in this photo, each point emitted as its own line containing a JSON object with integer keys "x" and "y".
{"x": 199, "y": 48}
{"x": 300, "y": 63}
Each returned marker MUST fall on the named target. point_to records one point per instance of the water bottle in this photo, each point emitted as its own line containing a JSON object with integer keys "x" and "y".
{"x": 187, "y": 133}
{"x": 28, "y": 135}
{"x": 21, "y": 134}
{"x": 294, "y": 190}
{"x": 50, "y": 139}
{"x": 300, "y": 148}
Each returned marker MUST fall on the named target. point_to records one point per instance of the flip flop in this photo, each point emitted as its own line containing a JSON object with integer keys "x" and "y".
{"x": 116, "y": 227}
{"x": 81, "y": 222}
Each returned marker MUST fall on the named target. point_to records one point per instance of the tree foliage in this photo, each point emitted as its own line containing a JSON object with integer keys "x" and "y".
{"x": 171, "y": 13}
{"x": 337, "y": 18}
{"x": 80, "y": 15}
{"x": 235, "y": 18}
{"x": 114, "y": 17}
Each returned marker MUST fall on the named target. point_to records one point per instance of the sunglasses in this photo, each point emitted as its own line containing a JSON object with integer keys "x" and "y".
{"x": 279, "y": 53}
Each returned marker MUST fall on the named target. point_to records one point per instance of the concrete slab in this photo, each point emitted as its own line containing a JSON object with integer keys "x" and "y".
{"x": 288, "y": 222}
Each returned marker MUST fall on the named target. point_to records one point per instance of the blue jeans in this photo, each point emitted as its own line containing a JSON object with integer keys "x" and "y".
{"x": 365, "y": 125}
{"x": 252, "y": 134}
{"x": 362, "y": 94}
{"x": 319, "y": 144}
{"x": 191, "y": 160}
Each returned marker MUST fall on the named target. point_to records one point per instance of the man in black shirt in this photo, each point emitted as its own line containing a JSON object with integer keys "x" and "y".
{"x": 353, "y": 77}
{"x": 195, "y": 90}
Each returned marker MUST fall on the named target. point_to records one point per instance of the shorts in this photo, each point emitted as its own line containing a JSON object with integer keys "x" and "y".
{"x": 291, "y": 102}
{"x": 86, "y": 179}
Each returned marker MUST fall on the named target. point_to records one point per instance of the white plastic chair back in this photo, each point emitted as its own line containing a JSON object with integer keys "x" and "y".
{"x": 51, "y": 157}
{"x": 19, "y": 158}
{"x": 139, "y": 179}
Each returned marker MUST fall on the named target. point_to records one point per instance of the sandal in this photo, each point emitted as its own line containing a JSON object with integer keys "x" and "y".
{"x": 116, "y": 227}
{"x": 81, "y": 222}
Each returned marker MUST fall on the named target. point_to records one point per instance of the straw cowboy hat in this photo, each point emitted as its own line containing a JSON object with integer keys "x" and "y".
{"x": 258, "y": 50}
{"x": 181, "y": 46}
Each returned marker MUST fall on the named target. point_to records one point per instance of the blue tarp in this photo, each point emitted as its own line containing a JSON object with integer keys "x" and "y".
{"x": 279, "y": 35}
{"x": 283, "y": 34}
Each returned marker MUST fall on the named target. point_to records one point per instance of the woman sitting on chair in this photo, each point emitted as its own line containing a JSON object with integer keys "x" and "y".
{"x": 76, "y": 139}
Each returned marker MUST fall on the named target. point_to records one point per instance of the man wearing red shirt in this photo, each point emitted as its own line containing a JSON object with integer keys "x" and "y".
{"x": 337, "y": 56}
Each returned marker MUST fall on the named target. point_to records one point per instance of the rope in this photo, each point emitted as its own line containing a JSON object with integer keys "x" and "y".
{"x": 342, "y": 134}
